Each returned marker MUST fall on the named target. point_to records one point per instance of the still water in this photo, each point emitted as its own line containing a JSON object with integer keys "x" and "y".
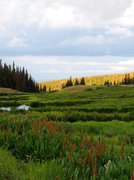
{"x": 24, "y": 107}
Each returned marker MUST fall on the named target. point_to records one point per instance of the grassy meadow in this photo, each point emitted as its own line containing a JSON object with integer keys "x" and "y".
{"x": 77, "y": 133}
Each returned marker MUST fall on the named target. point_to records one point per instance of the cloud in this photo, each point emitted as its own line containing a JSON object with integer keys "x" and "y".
{"x": 59, "y": 67}
{"x": 121, "y": 31}
{"x": 49, "y": 71}
{"x": 127, "y": 63}
{"x": 66, "y": 27}
{"x": 128, "y": 17}
{"x": 17, "y": 42}
{"x": 61, "y": 14}
{"x": 99, "y": 39}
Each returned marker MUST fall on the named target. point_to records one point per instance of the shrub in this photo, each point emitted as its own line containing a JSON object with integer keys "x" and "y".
{"x": 35, "y": 104}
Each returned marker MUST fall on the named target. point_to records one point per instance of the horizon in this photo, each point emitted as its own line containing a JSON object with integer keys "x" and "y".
{"x": 67, "y": 66}
{"x": 58, "y": 39}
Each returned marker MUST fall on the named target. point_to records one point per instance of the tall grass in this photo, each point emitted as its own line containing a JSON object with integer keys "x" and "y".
{"x": 70, "y": 147}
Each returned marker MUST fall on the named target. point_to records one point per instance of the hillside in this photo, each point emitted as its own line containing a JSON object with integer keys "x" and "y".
{"x": 89, "y": 80}
{"x": 8, "y": 90}
{"x": 78, "y": 88}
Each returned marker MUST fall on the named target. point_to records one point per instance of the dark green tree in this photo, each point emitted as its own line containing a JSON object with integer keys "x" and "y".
{"x": 76, "y": 82}
{"x": 44, "y": 88}
{"x": 69, "y": 82}
{"x": 16, "y": 78}
{"x": 82, "y": 82}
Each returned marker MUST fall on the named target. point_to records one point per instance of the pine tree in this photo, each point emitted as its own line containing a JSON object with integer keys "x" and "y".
{"x": 16, "y": 78}
{"x": 69, "y": 82}
{"x": 76, "y": 82}
{"x": 44, "y": 88}
{"x": 82, "y": 82}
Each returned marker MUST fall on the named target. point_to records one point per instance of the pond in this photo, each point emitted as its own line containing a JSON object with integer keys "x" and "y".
{"x": 24, "y": 107}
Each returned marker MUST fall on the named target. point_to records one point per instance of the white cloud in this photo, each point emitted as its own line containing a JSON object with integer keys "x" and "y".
{"x": 60, "y": 17}
{"x": 49, "y": 71}
{"x": 127, "y": 63}
{"x": 121, "y": 31}
{"x": 17, "y": 42}
{"x": 89, "y": 19}
{"x": 128, "y": 17}
{"x": 99, "y": 39}
{"x": 71, "y": 13}
{"x": 120, "y": 68}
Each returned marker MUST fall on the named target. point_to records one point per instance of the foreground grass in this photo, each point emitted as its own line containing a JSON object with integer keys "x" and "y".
{"x": 91, "y": 150}
{"x": 69, "y": 135}
{"x": 13, "y": 169}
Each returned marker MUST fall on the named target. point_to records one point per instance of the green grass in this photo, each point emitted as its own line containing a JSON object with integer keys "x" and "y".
{"x": 106, "y": 112}
{"x": 24, "y": 145}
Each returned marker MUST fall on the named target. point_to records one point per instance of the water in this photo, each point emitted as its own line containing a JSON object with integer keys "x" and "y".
{"x": 6, "y": 108}
{"x": 24, "y": 107}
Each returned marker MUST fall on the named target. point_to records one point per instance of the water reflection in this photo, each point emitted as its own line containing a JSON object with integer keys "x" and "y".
{"x": 6, "y": 108}
{"x": 23, "y": 107}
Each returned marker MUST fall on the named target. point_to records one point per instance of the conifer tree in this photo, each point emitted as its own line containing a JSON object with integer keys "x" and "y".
{"x": 82, "y": 82}
{"x": 69, "y": 82}
{"x": 44, "y": 88}
{"x": 76, "y": 82}
{"x": 16, "y": 78}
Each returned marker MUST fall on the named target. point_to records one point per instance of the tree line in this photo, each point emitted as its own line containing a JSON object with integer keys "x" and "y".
{"x": 125, "y": 80}
{"x": 70, "y": 82}
{"x": 17, "y": 78}
{"x": 112, "y": 79}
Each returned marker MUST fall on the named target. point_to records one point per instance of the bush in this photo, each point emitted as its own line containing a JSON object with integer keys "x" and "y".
{"x": 9, "y": 168}
{"x": 89, "y": 89}
{"x": 35, "y": 104}
{"x": 10, "y": 104}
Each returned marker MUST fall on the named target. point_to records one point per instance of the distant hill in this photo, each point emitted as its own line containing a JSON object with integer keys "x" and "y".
{"x": 8, "y": 90}
{"x": 78, "y": 88}
{"x": 112, "y": 79}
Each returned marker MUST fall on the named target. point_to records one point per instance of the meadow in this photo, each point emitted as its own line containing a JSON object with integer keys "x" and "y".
{"x": 80, "y": 132}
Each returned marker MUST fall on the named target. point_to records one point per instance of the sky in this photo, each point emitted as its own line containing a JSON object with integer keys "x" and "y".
{"x": 56, "y": 39}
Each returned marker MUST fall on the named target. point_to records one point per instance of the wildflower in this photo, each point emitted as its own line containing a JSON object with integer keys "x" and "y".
{"x": 112, "y": 144}
{"x": 70, "y": 156}
{"x": 60, "y": 153}
{"x": 122, "y": 148}
{"x": 85, "y": 138}
{"x": 56, "y": 178}
{"x": 6, "y": 138}
{"x": 69, "y": 133}
{"x": 132, "y": 174}
{"x": 95, "y": 169}
{"x": 84, "y": 162}
{"x": 90, "y": 143}
{"x": 71, "y": 177}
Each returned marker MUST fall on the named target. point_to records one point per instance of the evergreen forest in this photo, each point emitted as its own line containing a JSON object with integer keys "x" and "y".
{"x": 17, "y": 78}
